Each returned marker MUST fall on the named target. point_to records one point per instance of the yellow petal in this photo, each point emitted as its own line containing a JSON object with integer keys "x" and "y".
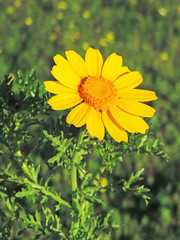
{"x": 137, "y": 95}
{"x": 112, "y": 68}
{"x": 136, "y": 108}
{"x": 128, "y": 121}
{"x": 128, "y": 81}
{"x": 94, "y": 62}
{"x": 77, "y": 114}
{"x": 95, "y": 124}
{"x": 57, "y": 88}
{"x": 116, "y": 132}
{"x": 61, "y": 102}
{"x": 60, "y": 60}
{"x": 84, "y": 118}
{"x": 77, "y": 63}
{"x": 64, "y": 73}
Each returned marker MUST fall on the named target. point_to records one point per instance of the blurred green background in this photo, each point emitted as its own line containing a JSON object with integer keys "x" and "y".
{"x": 147, "y": 34}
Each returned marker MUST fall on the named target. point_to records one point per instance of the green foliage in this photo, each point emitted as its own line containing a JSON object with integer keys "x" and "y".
{"x": 24, "y": 184}
{"x": 64, "y": 155}
{"x": 140, "y": 190}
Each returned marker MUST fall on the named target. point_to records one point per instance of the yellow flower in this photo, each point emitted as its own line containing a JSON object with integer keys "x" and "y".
{"x": 164, "y": 56}
{"x": 86, "y": 14}
{"x": 85, "y": 45}
{"x": 62, "y": 5}
{"x": 104, "y": 95}
{"x": 102, "y": 42}
{"x": 103, "y": 183}
{"x": 17, "y": 3}
{"x": 133, "y": 2}
{"x": 28, "y": 21}
{"x": 10, "y": 10}
{"x": 52, "y": 37}
{"x": 110, "y": 36}
{"x": 163, "y": 11}
{"x": 1, "y": 49}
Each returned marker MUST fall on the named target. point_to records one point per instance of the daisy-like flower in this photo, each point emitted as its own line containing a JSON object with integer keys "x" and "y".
{"x": 104, "y": 95}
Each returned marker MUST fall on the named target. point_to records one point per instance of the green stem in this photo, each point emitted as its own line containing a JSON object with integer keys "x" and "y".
{"x": 55, "y": 197}
{"x": 75, "y": 160}
{"x": 48, "y": 193}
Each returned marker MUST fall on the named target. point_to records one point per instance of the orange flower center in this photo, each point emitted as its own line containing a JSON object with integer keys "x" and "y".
{"x": 97, "y": 92}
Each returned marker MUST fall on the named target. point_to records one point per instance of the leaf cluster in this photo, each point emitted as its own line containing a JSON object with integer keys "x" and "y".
{"x": 28, "y": 188}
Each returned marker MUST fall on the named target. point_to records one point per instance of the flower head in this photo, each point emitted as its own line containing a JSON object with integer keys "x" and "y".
{"x": 104, "y": 95}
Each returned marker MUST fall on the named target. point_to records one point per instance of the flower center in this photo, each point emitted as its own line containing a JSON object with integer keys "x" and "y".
{"x": 97, "y": 92}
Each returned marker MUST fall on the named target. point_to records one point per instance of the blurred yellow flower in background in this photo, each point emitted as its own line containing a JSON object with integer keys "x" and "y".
{"x": 103, "y": 183}
{"x": 86, "y": 14}
{"x": 110, "y": 36}
{"x": 85, "y": 45}
{"x": 28, "y": 21}
{"x": 133, "y": 2}
{"x": 164, "y": 56}
{"x": 10, "y": 10}
{"x": 17, "y": 3}
{"x": 102, "y": 42}
{"x": 178, "y": 9}
{"x": 52, "y": 37}
{"x": 59, "y": 15}
{"x": 1, "y": 49}
{"x": 163, "y": 11}
{"x": 104, "y": 95}
{"x": 62, "y": 5}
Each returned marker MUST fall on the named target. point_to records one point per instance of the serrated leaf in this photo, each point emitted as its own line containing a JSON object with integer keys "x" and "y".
{"x": 55, "y": 158}
{"x": 108, "y": 218}
{"x": 86, "y": 180}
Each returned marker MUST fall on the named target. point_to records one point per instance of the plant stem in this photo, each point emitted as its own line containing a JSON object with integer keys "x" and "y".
{"x": 55, "y": 197}
{"x": 75, "y": 160}
{"x": 48, "y": 193}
